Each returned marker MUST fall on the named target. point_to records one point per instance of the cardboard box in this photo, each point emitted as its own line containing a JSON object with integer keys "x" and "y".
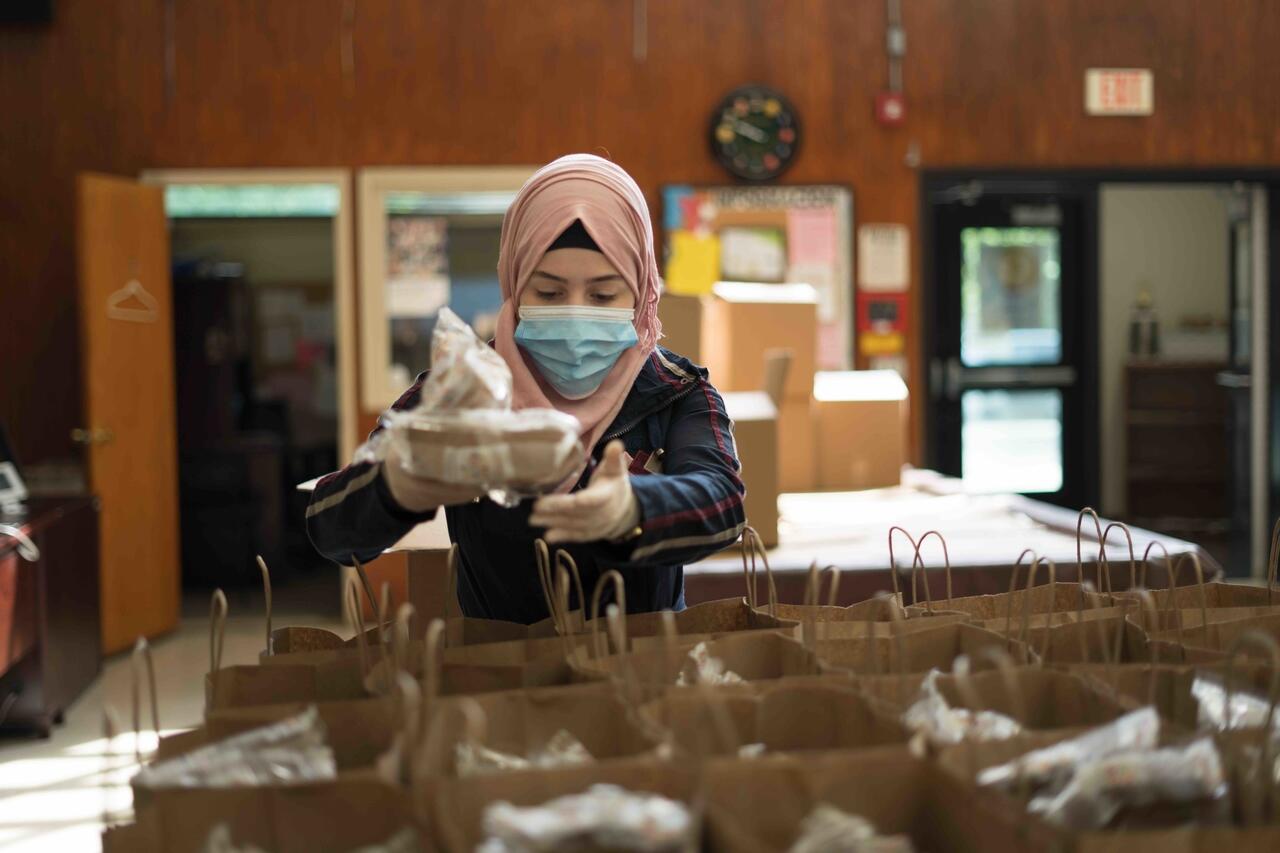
{"x": 861, "y": 429}
{"x": 755, "y": 433}
{"x": 742, "y": 321}
{"x": 682, "y": 318}
{"x": 796, "y": 446}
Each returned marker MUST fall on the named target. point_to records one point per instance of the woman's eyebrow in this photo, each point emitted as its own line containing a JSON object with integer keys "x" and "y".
{"x": 603, "y": 278}
{"x": 552, "y": 277}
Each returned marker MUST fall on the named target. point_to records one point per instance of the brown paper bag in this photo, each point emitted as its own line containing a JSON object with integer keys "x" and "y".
{"x": 752, "y": 656}
{"x": 708, "y": 619}
{"x": 915, "y": 646}
{"x": 522, "y": 722}
{"x": 759, "y": 805}
{"x": 1139, "y": 833}
{"x": 785, "y": 717}
{"x": 352, "y": 811}
{"x": 880, "y": 608}
{"x": 1037, "y": 698}
{"x": 307, "y": 677}
{"x": 1054, "y": 597}
{"x": 470, "y": 630}
{"x": 457, "y": 805}
{"x": 300, "y": 638}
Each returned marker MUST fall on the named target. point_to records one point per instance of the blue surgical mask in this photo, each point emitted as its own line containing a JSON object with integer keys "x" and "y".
{"x": 575, "y": 346}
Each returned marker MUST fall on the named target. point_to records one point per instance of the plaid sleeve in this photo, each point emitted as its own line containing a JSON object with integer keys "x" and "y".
{"x": 352, "y": 515}
{"x": 694, "y": 508}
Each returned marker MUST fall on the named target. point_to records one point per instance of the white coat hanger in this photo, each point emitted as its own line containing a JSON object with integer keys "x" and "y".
{"x": 133, "y": 290}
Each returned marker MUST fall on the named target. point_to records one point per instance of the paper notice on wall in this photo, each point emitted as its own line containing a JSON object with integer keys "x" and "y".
{"x": 884, "y": 258}
{"x": 822, "y": 278}
{"x": 811, "y": 236}
{"x": 752, "y": 254}
{"x": 416, "y": 297}
{"x": 694, "y": 264}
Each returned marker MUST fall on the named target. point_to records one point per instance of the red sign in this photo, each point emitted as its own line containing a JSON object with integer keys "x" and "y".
{"x": 1119, "y": 92}
{"x": 891, "y": 108}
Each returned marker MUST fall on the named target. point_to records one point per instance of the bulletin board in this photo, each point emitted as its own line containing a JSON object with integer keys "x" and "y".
{"x": 786, "y": 234}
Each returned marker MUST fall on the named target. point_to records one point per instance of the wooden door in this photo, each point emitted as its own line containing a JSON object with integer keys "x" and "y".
{"x": 126, "y": 339}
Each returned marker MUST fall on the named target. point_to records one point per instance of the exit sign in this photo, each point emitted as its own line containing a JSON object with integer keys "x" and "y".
{"x": 1119, "y": 92}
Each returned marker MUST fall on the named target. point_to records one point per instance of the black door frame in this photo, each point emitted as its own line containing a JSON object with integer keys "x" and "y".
{"x": 936, "y": 184}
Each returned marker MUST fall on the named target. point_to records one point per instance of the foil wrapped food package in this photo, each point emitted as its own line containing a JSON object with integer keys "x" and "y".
{"x": 291, "y": 750}
{"x": 933, "y": 718}
{"x": 1247, "y": 711}
{"x": 463, "y": 431}
{"x": 466, "y": 373}
{"x": 527, "y": 452}
{"x": 1100, "y": 789}
{"x": 604, "y": 817}
{"x": 701, "y": 668}
{"x": 827, "y": 829}
{"x": 562, "y": 750}
{"x": 1053, "y": 766}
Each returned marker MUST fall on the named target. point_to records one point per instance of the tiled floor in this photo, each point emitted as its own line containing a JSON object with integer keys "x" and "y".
{"x": 53, "y": 793}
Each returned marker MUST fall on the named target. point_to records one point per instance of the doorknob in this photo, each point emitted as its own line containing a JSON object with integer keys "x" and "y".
{"x": 96, "y": 435}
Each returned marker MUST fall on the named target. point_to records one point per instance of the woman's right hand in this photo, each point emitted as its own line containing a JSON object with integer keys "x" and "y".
{"x": 418, "y": 494}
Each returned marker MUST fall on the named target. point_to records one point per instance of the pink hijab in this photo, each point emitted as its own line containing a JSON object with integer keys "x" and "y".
{"x": 613, "y": 210}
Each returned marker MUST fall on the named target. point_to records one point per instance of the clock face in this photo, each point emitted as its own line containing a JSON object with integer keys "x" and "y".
{"x": 754, "y": 133}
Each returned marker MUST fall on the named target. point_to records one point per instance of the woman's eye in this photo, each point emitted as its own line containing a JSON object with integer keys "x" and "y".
{"x": 548, "y": 294}
{"x": 604, "y": 298}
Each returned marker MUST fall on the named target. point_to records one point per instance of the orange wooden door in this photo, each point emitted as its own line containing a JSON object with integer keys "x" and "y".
{"x": 126, "y": 335}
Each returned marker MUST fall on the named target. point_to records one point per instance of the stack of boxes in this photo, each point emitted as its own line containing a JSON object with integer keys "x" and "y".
{"x": 840, "y": 430}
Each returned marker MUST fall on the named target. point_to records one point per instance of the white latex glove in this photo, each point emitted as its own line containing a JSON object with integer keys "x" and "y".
{"x": 418, "y": 494}
{"x": 605, "y": 510}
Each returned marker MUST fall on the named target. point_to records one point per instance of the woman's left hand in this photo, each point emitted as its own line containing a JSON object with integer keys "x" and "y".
{"x": 606, "y": 509}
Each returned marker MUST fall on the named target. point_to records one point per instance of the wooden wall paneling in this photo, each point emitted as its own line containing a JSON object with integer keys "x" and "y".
{"x": 989, "y": 83}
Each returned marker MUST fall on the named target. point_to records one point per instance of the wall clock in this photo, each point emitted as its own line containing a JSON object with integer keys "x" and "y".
{"x": 755, "y": 133}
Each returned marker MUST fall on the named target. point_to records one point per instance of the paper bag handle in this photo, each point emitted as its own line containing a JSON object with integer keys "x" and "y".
{"x": 1097, "y": 525}
{"x": 918, "y": 564}
{"x": 402, "y": 646}
{"x": 1102, "y": 555}
{"x": 751, "y": 541}
{"x": 351, "y": 603}
{"x": 893, "y": 563}
{"x": 565, "y": 560}
{"x": 366, "y": 585}
{"x": 542, "y": 561}
{"x": 217, "y": 635}
{"x": 384, "y": 619}
{"x": 433, "y": 663}
{"x": 140, "y": 656}
{"x": 1013, "y": 587}
{"x": 266, "y": 595}
{"x": 1025, "y": 630}
{"x": 613, "y": 576}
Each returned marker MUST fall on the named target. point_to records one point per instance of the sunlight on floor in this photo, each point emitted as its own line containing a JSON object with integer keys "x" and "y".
{"x": 54, "y": 793}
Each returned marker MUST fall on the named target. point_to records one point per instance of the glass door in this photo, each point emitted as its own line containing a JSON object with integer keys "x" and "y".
{"x": 1008, "y": 312}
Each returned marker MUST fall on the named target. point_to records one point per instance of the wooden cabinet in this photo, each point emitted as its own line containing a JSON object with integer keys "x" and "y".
{"x": 1178, "y": 450}
{"x": 50, "y": 642}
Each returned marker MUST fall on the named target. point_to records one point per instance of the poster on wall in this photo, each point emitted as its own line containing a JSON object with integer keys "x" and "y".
{"x": 417, "y": 266}
{"x": 775, "y": 235}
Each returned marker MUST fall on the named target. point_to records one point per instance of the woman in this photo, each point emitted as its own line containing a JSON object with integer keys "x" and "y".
{"x": 579, "y": 329}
